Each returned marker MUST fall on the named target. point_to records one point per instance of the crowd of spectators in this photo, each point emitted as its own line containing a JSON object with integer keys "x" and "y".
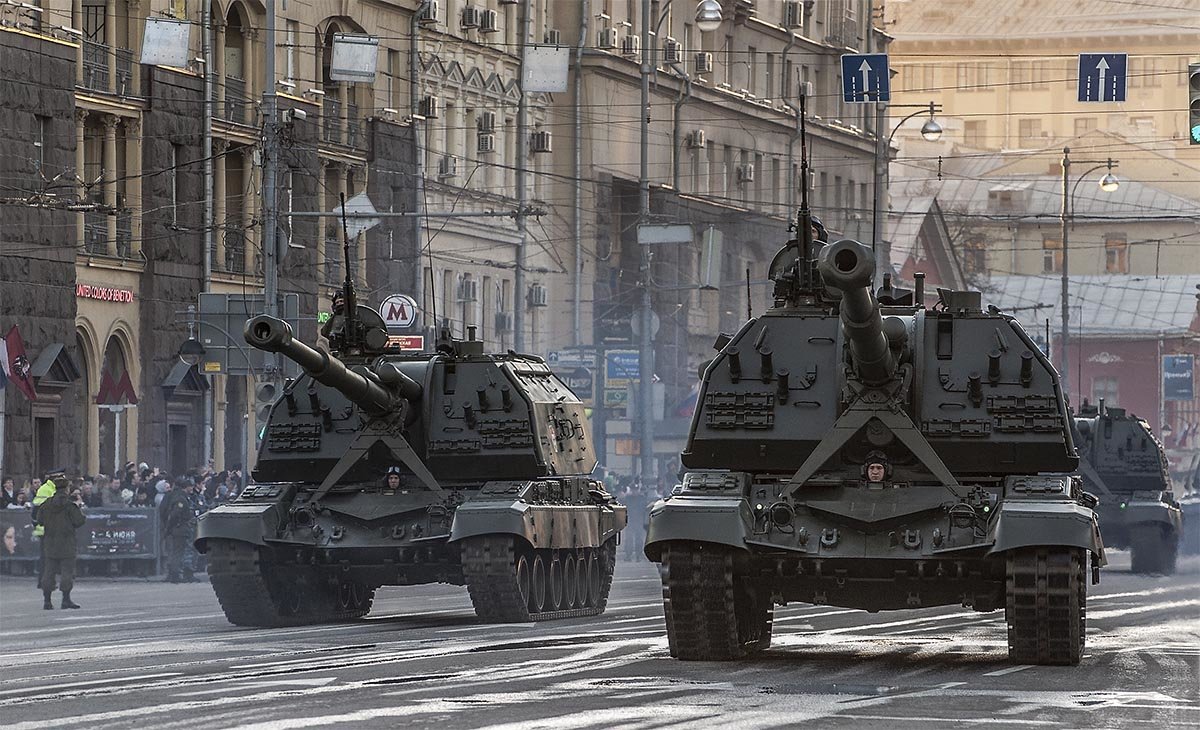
{"x": 138, "y": 486}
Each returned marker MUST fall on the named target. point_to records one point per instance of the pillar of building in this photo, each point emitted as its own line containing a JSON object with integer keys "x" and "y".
{"x": 80, "y": 170}
{"x": 218, "y": 63}
{"x": 322, "y": 223}
{"x": 249, "y": 205}
{"x": 133, "y": 183}
{"x": 77, "y": 22}
{"x": 219, "y": 383}
{"x": 253, "y": 88}
{"x": 110, "y": 41}
{"x": 136, "y": 28}
{"x": 109, "y": 176}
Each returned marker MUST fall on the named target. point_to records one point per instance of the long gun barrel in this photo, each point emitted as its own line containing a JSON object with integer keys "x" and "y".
{"x": 376, "y": 393}
{"x": 849, "y": 267}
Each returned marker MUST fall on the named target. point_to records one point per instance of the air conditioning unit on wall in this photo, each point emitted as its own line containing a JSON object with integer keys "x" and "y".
{"x": 537, "y": 296}
{"x": 703, "y": 62}
{"x": 696, "y": 139}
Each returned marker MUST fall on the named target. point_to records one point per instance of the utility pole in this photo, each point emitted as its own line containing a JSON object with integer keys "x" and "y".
{"x": 645, "y": 407}
{"x": 208, "y": 223}
{"x": 522, "y": 193}
{"x": 418, "y": 130}
{"x": 270, "y": 198}
{"x": 1065, "y": 335}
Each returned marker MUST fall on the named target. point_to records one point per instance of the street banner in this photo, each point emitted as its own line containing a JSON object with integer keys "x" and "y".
{"x": 107, "y": 533}
{"x": 1178, "y": 382}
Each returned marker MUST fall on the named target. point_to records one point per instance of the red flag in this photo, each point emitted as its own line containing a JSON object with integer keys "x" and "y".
{"x": 18, "y": 364}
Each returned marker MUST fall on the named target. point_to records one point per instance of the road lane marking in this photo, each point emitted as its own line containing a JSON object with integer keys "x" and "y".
{"x": 1008, "y": 670}
{"x": 43, "y": 688}
{"x": 1114, "y": 613}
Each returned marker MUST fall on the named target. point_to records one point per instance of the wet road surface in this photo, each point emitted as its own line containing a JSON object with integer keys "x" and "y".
{"x": 154, "y": 655}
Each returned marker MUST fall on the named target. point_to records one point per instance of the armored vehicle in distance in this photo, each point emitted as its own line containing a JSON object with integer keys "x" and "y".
{"x": 853, "y": 448}
{"x": 1124, "y": 465}
{"x": 487, "y": 461}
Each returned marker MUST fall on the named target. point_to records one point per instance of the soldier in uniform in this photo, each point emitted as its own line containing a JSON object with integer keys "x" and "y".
{"x": 876, "y": 470}
{"x": 392, "y": 479}
{"x": 199, "y": 505}
{"x": 175, "y": 516}
{"x": 60, "y": 516}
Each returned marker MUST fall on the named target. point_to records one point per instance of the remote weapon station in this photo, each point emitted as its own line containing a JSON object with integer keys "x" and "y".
{"x": 384, "y": 468}
{"x": 854, "y": 448}
{"x": 1124, "y": 465}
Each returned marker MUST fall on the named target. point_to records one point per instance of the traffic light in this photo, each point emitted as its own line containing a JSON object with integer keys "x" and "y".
{"x": 1194, "y": 103}
{"x": 264, "y": 398}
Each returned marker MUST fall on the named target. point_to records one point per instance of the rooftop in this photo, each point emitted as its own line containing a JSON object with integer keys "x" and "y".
{"x": 931, "y": 20}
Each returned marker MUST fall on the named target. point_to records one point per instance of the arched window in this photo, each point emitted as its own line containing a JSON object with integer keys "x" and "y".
{"x": 114, "y": 397}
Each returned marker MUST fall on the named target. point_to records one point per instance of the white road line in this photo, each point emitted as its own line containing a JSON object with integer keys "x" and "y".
{"x": 1114, "y": 613}
{"x": 43, "y": 688}
{"x": 1008, "y": 670}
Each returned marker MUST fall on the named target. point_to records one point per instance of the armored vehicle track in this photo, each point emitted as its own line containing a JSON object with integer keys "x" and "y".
{"x": 509, "y": 581}
{"x": 1047, "y": 604}
{"x": 711, "y": 614}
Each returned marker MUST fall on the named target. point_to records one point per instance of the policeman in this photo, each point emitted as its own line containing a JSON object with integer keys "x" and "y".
{"x": 60, "y": 516}
{"x": 44, "y": 492}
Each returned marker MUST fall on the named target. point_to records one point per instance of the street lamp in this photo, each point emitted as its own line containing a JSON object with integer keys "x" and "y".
{"x": 1108, "y": 184}
{"x": 931, "y": 131}
{"x": 708, "y": 15}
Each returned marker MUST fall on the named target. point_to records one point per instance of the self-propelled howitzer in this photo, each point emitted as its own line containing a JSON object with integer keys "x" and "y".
{"x": 378, "y": 467}
{"x": 877, "y": 456}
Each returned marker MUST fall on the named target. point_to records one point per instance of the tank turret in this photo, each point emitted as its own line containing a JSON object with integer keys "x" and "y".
{"x": 377, "y": 392}
{"x": 849, "y": 267}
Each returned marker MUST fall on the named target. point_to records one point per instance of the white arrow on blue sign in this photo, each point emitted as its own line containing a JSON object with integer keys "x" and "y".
{"x": 1102, "y": 76}
{"x": 865, "y": 78}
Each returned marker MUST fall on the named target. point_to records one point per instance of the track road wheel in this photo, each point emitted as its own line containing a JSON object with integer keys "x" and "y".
{"x": 499, "y": 577}
{"x": 254, "y": 591}
{"x": 1153, "y": 550}
{"x": 1046, "y": 605}
{"x": 711, "y": 614}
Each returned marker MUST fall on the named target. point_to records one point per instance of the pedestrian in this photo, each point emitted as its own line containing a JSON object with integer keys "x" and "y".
{"x": 175, "y": 515}
{"x": 60, "y": 516}
{"x": 91, "y": 496}
{"x": 110, "y": 493}
{"x": 8, "y": 492}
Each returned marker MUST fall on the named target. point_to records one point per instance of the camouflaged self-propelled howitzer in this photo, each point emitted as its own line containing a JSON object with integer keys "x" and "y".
{"x": 1123, "y": 464}
{"x": 494, "y": 492}
{"x": 966, "y": 422}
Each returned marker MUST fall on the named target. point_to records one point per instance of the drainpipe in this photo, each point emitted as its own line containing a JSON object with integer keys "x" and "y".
{"x": 208, "y": 223}
{"x": 684, "y": 94}
{"x": 577, "y": 172}
{"x": 418, "y": 223}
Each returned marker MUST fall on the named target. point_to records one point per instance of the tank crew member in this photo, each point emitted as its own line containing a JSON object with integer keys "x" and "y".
{"x": 392, "y": 479}
{"x": 877, "y": 469}
{"x": 334, "y": 323}
{"x": 60, "y": 515}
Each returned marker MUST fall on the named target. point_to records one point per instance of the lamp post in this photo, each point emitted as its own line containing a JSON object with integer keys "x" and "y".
{"x": 708, "y": 19}
{"x": 931, "y": 131}
{"x": 1108, "y": 184}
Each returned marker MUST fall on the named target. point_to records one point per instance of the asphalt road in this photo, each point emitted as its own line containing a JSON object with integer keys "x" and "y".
{"x": 153, "y": 655}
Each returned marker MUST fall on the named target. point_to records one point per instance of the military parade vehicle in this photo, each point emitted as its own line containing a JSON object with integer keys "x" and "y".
{"x": 1124, "y": 465}
{"x": 379, "y": 467}
{"x": 853, "y": 448}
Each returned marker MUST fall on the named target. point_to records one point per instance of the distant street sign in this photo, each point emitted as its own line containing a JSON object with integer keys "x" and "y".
{"x": 582, "y": 382}
{"x": 621, "y": 368}
{"x": 865, "y": 78}
{"x": 1102, "y": 76}
{"x": 1178, "y": 377}
{"x": 673, "y": 233}
{"x": 569, "y": 359}
{"x": 407, "y": 343}
{"x": 399, "y": 311}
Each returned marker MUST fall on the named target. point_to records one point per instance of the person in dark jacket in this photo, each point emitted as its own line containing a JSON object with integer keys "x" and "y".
{"x": 176, "y": 515}
{"x": 60, "y": 517}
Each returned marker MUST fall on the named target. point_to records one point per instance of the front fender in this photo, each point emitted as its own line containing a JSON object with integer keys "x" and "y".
{"x": 542, "y": 526}
{"x": 1153, "y": 512}
{"x": 248, "y": 522}
{"x": 721, "y": 520}
{"x": 1020, "y": 524}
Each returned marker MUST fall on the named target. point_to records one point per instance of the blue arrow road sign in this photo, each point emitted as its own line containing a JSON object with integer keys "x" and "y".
{"x": 865, "y": 78}
{"x": 1102, "y": 76}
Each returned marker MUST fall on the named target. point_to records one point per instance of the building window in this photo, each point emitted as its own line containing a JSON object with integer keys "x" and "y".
{"x": 291, "y": 38}
{"x": 1051, "y": 255}
{"x": 1116, "y": 255}
{"x": 974, "y": 257}
{"x": 393, "y": 79}
{"x": 39, "y": 143}
{"x": 975, "y": 133}
{"x": 1083, "y": 125}
{"x": 1029, "y": 130}
{"x": 1104, "y": 388}
{"x": 752, "y": 71}
{"x": 729, "y": 60}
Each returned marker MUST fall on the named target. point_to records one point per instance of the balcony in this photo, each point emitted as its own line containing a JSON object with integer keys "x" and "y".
{"x": 235, "y": 247}
{"x": 331, "y": 120}
{"x": 95, "y": 233}
{"x": 235, "y": 100}
{"x": 124, "y": 235}
{"x": 96, "y": 75}
{"x": 95, "y": 66}
{"x": 333, "y": 260}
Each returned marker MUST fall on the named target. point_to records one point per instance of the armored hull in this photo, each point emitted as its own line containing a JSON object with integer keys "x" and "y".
{"x": 489, "y": 455}
{"x": 967, "y": 503}
{"x": 1124, "y": 465}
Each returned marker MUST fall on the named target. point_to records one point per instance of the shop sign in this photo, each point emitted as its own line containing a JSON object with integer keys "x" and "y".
{"x": 103, "y": 293}
{"x": 1177, "y": 377}
{"x": 415, "y": 343}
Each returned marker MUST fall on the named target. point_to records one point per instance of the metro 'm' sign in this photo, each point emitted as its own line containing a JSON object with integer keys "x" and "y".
{"x": 398, "y": 311}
